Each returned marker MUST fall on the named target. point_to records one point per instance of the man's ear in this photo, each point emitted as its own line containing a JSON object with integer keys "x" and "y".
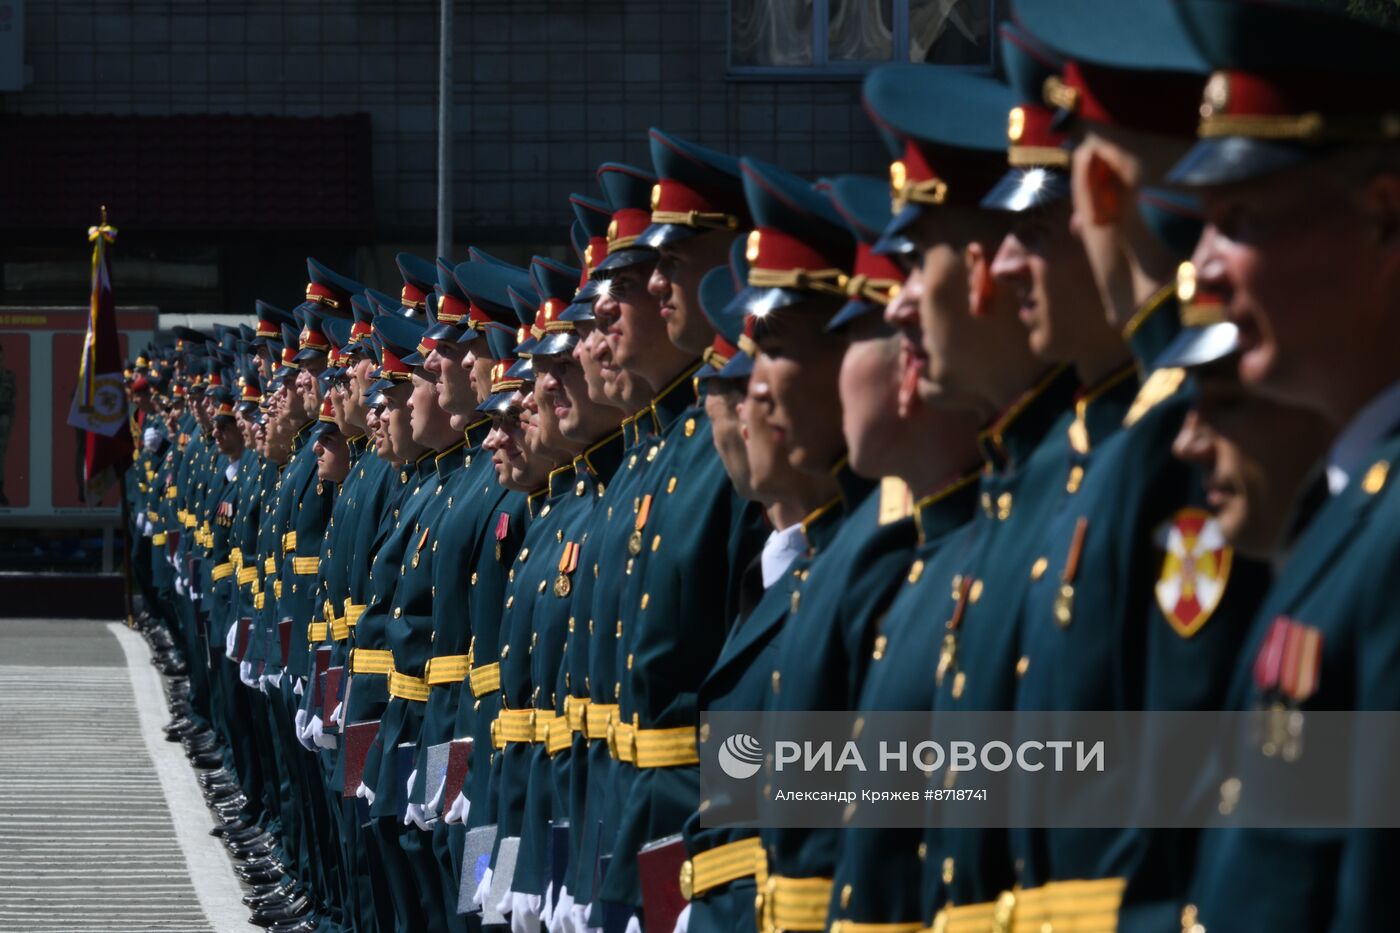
{"x": 1106, "y": 190}
{"x": 980, "y": 284}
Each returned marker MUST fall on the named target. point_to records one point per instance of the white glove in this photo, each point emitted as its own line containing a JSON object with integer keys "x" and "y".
{"x": 335, "y": 714}
{"x": 547, "y": 911}
{"x": 231, "y": 640}
{"x": 561, "y": 920}
{"x": 302, "y": 735}
{"x": 579, "y": 915}
{"x": 318, "y": 734}
{"x": 457, "y": 813}
{"x": 634, "y": 925}
{"x": 507, "y": 903}
{"x": 683, "y": 921}
{"x": 482, "y": 889}
{"x": 525, "y": 913}
{"x": 179, "y": 586}
{"x": 245, "y": 673}
{"x": 364, "y": 792}
{"x": 150, "y": 439}
{"x": 417, "y": 816}
{"x": 299, "y": 686}
{"x": 273, "y": 678}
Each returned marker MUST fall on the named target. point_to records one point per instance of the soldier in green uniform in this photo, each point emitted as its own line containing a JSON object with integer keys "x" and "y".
{"x": 1135, "y": 602}
{"x": 1297, "y": 179}
{"x": 624, "y": 319}
{"x": 691, "y": 532}
{"x": 892, "y": 431}
{"x": 801, "y": 258}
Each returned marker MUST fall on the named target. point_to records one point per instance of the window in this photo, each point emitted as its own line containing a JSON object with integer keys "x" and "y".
{"x": 818, "y": 38}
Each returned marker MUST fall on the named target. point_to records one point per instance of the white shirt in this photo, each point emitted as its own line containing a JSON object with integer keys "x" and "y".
{"x": 1372, "y": 422}
{"x": 779, "y": 551}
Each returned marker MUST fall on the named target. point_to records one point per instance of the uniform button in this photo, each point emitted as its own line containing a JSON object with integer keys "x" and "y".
{"x": 948, "y": 870}
{"x": 541, "y": 587}
{"x": 505, "y": 652}
{"x": 916, "y": 571}
{"x": 397, "y": 612}
{"x": 704, "y": 732}
{"x": 922, "y": 851}
{"x": 880, "y": 643}
{"x": 1038, "y": 568}
{"x": 646, "y": 598}
{"x": 1076, "y": 479}
{"x": 1190, "y": 920}
{"x": 845, "y": 897}
{"x": 777, "y": 680}
{"x": 704, "y": 805}
{"x": 857, "y": 727}
{"x": 959, "y": 685}
{"x": 671, "y": 485}
{"x": 629, "y": 661}
{"x": 974, "y": 593}
{"x": 849, "y": 813}
{"x": 1004, "y": 506}
{"x": 1022, "y": 666}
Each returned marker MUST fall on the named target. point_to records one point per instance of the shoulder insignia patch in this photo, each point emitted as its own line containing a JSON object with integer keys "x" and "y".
{"x": 1160, "y": 386}
{"x": 1195, "y": 569}
{"x": 896, "y": 500}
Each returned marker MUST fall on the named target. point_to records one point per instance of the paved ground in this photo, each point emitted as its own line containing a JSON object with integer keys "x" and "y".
{"x": 102, "y": 826}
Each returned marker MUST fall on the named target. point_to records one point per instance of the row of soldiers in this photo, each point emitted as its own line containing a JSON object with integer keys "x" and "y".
{"x": 456, "y": 573}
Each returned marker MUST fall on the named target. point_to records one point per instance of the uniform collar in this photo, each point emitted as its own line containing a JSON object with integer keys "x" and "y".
{"x": 674, "y": 399}
{"x": 1099, "y": 410}
{"x": 299, "y": 438}
{"x": 822, "y": 525}
{"x": 946, "y": 508}
{"x": 603, "y": 458}
{"x": 535, "y": 501}
{"x": 476, "y": 433}
{"x": 1154, "y": 326}
{"x": 560, "y": 481}
{"x": 445, "y": 463}
{"x": 1378, "y": 418}
{"x": 1018, "y": 430}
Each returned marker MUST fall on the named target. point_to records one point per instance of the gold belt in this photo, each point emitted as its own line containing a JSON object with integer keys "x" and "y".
{"x": 305, "y": 566}
{"x": 259, "y": 600}
{"x": 707, "y": 870}
{"x": 289, "y": 542}
{"x": 221, "y": 571}
{"x": 247, "y": 575}
{"x": 353, "y": 611}
{"x": 654, "y": 748}
{"x": 447, "y": 669}
{"x": 270, "y": 565}
{"x": 576, "y": 712}
{"x": 620, "y": 744}
{"x": 339, "y": 629}
{"x": 794, "y": 903}
{"x": 408, "y": 687}
{"x": 485, "y": 678}
{"x": 366, "y": 661}
{"x": 513, "y": 725}
{"x": 854, "y": 926}
{"x": 316, "y": 632}
{"x": 158, "y": 538}
{"x": 557, "y": 734}
{"x": 1062, "y": 906}
{"x": 595, "y": 719}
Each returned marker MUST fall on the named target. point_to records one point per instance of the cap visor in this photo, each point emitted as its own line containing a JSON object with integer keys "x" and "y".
{"x": 556, "y": 344}
{"x": 894, "y": 240}
{"x": 658, "y": 235}
{"x": 739, "y": 367}
{"x": 850, "y": 311}
{"x": 1023, "y": 189}
{"x": 522, "y": 369}
{"x": 496, "y": 404}
{"x": 1197, "y": 346}
{"x": 441, "y": 331}
{"x": 578, "y": 311}
{"x": 1233, "y": 159}
{"x": 308, "y": 354}
{"x": 632, "y": 256}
